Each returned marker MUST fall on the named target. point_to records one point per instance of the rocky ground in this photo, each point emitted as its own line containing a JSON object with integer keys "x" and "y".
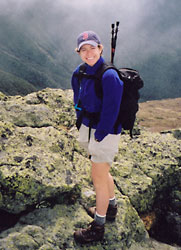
{"x": 45, "y": 182}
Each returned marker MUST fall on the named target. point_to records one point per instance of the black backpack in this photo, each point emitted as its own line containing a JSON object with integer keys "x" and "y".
{"x": 129, "y": 104}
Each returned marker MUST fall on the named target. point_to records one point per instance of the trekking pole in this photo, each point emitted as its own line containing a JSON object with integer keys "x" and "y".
{"x": 114, "y": 39}
{"x": 112, "y": 44}
{"x": 116, "y": 32}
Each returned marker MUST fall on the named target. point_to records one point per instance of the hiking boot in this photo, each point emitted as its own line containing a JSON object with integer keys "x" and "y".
{"x": 93, "y": 233}
{"x": 110, "y": 215}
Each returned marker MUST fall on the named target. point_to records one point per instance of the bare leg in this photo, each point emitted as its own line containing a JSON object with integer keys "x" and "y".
{"x": 111, "y": 187}
{"x": 104, "y": 186}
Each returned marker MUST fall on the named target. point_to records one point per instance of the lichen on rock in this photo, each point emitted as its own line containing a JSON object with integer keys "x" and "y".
{"x": 45, "y": 176}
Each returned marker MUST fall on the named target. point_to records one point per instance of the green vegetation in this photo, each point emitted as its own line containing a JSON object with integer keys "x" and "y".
{"x": 12, "y": 85}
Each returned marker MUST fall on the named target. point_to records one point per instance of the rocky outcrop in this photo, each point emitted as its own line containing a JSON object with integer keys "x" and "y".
{"x": 45, "y": 181}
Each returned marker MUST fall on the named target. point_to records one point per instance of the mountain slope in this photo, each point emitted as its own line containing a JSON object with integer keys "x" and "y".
{"x": 23, "y": 57}
{"x": 161, "y": 75}
{"x": 38, "y": 40}
{"x": 11, "y": 84}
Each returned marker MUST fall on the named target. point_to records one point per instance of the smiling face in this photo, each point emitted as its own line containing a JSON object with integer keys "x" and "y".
{"x": 90, "y": 54}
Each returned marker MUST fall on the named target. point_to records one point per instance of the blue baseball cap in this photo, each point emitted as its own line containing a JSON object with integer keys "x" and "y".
{"x": 88, "y": 37}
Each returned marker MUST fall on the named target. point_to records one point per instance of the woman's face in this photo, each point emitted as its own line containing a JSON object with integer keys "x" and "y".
{"x": 90, "y": 54}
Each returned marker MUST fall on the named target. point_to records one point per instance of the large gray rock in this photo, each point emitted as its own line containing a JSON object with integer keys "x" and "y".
{"x": 43, "y": 168}
{"x": 146, "y": 165}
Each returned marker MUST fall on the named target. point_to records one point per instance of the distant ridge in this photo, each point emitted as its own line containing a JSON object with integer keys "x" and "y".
{"x": 37, "y": 46}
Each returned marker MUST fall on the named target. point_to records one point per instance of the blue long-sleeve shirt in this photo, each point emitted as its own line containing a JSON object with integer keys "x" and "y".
{"x": 108, "y": 106}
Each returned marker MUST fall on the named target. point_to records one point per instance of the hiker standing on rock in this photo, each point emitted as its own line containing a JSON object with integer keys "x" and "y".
{"x": 95, "y": 120}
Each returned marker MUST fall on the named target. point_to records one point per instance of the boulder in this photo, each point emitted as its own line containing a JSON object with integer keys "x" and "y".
{"x": 45, "y": 182}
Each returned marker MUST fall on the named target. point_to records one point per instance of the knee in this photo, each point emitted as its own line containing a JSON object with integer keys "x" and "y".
{"x": 99, "y": 179}
{"x": 98, "y": 184}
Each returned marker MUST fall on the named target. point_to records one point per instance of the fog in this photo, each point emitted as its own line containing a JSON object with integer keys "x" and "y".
{"x": 146, "y": 26}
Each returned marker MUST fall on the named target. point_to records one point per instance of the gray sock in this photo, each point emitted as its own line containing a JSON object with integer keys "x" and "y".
{"x": 100, "y": 220}
{"x": 112, "y": 201}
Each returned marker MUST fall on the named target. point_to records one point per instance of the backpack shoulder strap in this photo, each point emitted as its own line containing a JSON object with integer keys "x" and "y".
{"x": 82, "y": 68}
{"x": 81, "y": 72}
{"x": 98, "y": 77}
{"x": 103, "y": 68}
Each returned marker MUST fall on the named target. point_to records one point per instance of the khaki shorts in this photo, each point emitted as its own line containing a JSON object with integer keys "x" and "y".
{"x": 103, "y": 151}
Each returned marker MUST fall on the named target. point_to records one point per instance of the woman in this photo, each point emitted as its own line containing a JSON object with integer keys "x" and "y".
{"x": 102, "y": 143}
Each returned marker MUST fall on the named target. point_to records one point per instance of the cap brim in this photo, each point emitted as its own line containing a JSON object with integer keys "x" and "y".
{"x": 93, "y": 43}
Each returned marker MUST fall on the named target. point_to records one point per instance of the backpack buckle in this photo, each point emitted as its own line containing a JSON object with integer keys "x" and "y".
{"x": 77, "y": 108}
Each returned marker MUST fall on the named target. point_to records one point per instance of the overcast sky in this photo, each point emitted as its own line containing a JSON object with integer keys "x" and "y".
{"x": 146, "y": 26}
